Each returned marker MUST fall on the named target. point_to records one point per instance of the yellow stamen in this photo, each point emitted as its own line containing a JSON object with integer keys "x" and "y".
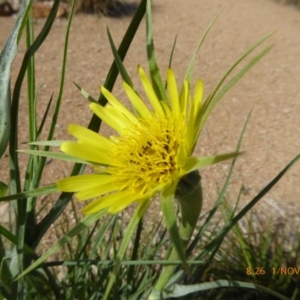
{"x": 148, "y": 154}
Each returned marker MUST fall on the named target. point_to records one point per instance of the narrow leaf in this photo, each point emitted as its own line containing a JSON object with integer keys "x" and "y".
{"x": 83, "y": 224}
{"x": 195, "y": 163}
{"x": 211, "y": 102}
{"x": 172, "y": 52}
{"x": 15, "y": 185}
{"x": 221, "y": 194}
{"x": 261, "y": 194}
{"x": 157, "y": 82}
{"x": 12, "y": 238}
{"x": 55, "y": 155}
{"x": 190, "y": 69}
{"x": 7, "y": 56}
{"x": 119, "y": 61}
{"x": 85, "y": 93}
{"x": 3, "y": 189}
{"x": 182, "y": 290}
{"x": 45, "y": 190}
{"x": 46, "y": 143}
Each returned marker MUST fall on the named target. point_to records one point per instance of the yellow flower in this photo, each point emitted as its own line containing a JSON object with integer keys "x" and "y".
{"x": 151, "y": 152}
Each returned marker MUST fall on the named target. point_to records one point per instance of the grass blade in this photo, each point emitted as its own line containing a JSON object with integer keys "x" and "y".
{"x": 261, "y": 194}
{"x": 7, "y": 56}
{"x": 157, "y": 82}
{"x": 190, "y": 69}
{"x": 83, "y": 224}
{"x": 181, "y": 290}
{"x": 45, "y": 190}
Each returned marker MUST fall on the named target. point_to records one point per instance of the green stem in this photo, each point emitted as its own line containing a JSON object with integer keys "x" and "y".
{"x": 189, "y": 196}
{"x": 139, "y": 212}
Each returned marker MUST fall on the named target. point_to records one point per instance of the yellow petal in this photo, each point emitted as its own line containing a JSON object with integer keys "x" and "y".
{"x": 198, "y": 97}
{"x": 150, "y": 92}
{"x": 166, "y": 109}
{"x": 181, "y": 156}
{"x": 190, "y": 134}
{"x": 184, "y": 97}
{"x": 136, "y": 101}
{"x": 90, "y": 137}
{"x": 82, "y": 182}
{"x": 173, "y": 92}
{"x": 115, "y": 103}
{"x": 95, "y": 191}
{"x": 87, "y": 153}
{"x": 107, "y": 201}
{"x": 115, "y": 208}
{"x": 111, "y": 116}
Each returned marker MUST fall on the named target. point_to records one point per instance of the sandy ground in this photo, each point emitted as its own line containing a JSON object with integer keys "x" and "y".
{"x": 271, "y": 89}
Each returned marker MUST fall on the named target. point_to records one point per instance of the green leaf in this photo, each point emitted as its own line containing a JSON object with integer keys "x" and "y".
{"x": 7, "y": 56}
{"x": 126, "y": 78}
{"x": 12, "y": 238}
{"x": 183, "y": 290}
{"x": 45, "y": 190}
{"x": 212, "y": 102}
{"x": 45, "y": 114}
{"x": 25, "y": 207}
{"x": 190, "y": 69}
{"x": 214, "y": 98}
{"x": 6, "y": 278}
{"x": 46, "y": 143}
{"x": 15, "y": 185}
{"x": 195, "y": 163}
{"x": 157, "y": 82}
{"x": 172, "y": 53}
{"x": 178, "y": 252}
{"x": 83, "y": 224}
{"x": 85, "y": 93}
{"x": 220, "y": 196}
{"x": 55, "y": 155}
{"x": 171, "y": 58}
{"x": 39, "y": 167}
{"x": 234, "y": 220}
{"x": 119, "y": 61}
{"x": 189, "y": 194}
{"x": 3, "y": 189}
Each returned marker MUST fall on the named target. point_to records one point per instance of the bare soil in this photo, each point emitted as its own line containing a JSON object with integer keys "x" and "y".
{"x": 271, "y": 89}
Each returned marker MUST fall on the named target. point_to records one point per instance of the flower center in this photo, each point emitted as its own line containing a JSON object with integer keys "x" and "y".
{"x": 147, "y": 154}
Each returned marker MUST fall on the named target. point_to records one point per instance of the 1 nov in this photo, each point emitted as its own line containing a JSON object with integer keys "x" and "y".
{"x": 286, "y": 271}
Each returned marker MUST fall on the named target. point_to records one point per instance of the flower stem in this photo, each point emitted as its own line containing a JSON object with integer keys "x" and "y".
{"x": 189, "y": 196}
